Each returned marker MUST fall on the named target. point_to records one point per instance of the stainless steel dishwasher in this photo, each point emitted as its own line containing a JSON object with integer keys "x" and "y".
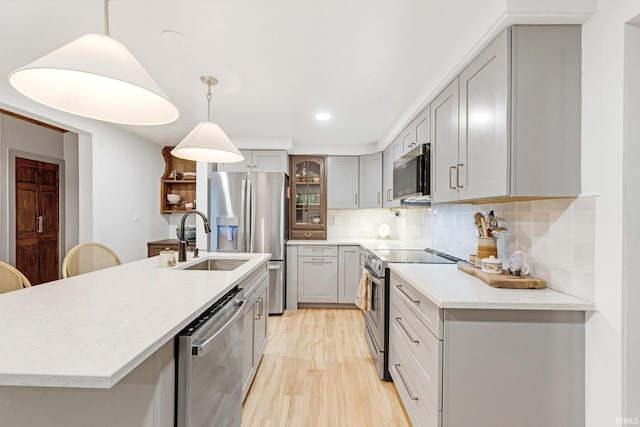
{"x": 209, "y": 366}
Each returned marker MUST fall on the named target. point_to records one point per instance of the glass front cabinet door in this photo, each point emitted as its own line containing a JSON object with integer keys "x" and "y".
{"x": 308, "y": 198}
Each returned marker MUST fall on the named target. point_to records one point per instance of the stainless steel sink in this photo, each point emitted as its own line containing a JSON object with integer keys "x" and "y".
{"x": 217, "y": 264}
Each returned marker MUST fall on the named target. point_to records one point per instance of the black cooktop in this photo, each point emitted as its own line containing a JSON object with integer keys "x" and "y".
{"x": 421, "y": 256}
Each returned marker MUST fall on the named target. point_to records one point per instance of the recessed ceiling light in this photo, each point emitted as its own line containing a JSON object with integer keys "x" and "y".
{"x": 323, "y": 116}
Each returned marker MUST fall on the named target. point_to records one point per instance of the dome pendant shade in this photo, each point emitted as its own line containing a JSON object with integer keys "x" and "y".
{"x": 95, "y": 76}
{"x": 208, "y": 143}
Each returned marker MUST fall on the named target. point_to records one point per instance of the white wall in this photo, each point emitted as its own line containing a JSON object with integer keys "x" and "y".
{"x": 119, "y": 176}
{"x": 631, "y": 226}
{"x": 602, "y": 166}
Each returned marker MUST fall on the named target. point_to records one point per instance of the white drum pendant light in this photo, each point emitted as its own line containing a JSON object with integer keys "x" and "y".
{"x": 207, "y": 142}
{"x": 96, "y": 76}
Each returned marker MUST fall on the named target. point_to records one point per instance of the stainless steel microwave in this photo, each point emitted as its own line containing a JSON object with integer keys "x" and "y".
{"x": 411, "y": 175}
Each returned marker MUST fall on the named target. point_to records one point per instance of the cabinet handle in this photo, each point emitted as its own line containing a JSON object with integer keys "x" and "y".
{"x": 406, "y": 331}
{"x": 249, "y": 166}
{"x": 356, "y": 198}
{"x": 40, "y": 228}
{"x": 379, "y": 194}
{"x": 458, "y": 175}
{"x": 404, "y": 382}
{"x": 388, "y": 194}
{"x": 254, "y": 166}
{"x": 451, "y": 186}
{"x": 260, "y": 308}
{"x": 415, "y": 301}
{"x": 317, "y": 259}
{"x": 307, "y": 234}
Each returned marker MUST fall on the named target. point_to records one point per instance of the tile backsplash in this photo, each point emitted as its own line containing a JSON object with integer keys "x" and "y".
{"x": 557, "y": 235}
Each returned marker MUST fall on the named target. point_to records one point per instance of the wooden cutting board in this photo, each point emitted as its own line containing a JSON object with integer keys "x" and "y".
{"x": 504, "y": 280}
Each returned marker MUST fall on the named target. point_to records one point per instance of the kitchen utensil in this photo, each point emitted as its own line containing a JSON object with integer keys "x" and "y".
{"x": 478, "y": 223}
{"x": 483, "y": 224}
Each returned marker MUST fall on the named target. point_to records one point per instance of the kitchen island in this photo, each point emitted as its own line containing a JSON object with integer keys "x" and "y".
{"x": 98, "y": 349}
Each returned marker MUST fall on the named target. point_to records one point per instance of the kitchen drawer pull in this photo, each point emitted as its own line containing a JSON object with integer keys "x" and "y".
{"x": 307, "y": 234}
{"x": 458, "y": 175}
{"x": 406, "y": 331}
{"x": 404, "y": 382}
{"x": 40, "y": 228}
{"x": 415, "y": 301}
{"x": 451, "y": 186}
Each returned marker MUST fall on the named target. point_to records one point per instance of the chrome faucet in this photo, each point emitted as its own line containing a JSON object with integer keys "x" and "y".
{"x": 182, "y": 249}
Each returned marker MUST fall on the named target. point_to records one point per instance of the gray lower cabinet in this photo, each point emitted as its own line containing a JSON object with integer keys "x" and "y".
{"x": 485, "y": 368}
{"x": 256, "y": 313}
{"x": 348, "y": 273}
{"x": 325, "y": 274}
{"x": 317, "y": 279}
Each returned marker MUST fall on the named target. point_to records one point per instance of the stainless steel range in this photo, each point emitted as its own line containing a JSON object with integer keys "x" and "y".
{"x": 377, "y": 320}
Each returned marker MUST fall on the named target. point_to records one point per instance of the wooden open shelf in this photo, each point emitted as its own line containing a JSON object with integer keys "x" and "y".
{"x": 186, "y": 188}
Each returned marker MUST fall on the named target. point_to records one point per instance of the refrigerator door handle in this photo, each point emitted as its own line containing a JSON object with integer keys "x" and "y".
{"x": 242, "y": 231}
{"x": 248, "y": 207}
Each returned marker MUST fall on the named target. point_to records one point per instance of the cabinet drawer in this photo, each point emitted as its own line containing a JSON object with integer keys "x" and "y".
{"x": 423, "y": 347}
{"x": 318, "y": 250}
{"x": 308, "y": 235}
{"x": 423, "y": 307}
{"x": 410, "y": 382}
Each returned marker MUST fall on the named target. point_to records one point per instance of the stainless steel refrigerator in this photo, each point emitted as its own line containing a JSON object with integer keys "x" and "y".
{"x": 248, "y": 212}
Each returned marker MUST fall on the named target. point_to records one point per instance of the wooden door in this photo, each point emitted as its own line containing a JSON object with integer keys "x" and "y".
{"x": 37, "y": 220}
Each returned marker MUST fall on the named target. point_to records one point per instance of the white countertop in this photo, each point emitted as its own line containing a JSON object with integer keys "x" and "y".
{"x": 366, "y": 243}
{"x": 449, "y": 287}
{"x": 93, "y": 329}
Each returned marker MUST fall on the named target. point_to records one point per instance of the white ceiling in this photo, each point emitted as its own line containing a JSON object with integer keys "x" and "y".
{"x": 279, "y": 62}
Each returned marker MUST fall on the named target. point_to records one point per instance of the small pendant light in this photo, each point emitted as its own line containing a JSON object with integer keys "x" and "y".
{"x": 96, "y": 76}
{"x": 207, "y": 142}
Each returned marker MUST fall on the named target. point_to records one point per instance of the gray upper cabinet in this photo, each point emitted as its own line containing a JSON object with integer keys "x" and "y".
{"x": 519, "y": 120}
{"x": 259, "y": 161}
{"x": 388, "y": 156}
{"x": 342, "y": 182}
{"x": 371, "y": 181}
{"x": 444, "y": 144}
{"x": 422, "y": 126}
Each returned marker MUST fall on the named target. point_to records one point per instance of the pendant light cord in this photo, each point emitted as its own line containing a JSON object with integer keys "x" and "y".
{"x": 106, "y": 17}
{"x": 209, "y": 103}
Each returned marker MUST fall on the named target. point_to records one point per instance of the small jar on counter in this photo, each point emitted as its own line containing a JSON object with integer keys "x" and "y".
{"x": 492, "y": 265}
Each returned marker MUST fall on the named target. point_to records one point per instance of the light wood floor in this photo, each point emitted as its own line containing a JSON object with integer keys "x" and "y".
{"x": 317, "y": 371}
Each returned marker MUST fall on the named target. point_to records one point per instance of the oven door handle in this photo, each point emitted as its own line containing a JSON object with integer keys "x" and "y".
{"x": 202, "y": 348}
{"x": 373, "y": 278}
